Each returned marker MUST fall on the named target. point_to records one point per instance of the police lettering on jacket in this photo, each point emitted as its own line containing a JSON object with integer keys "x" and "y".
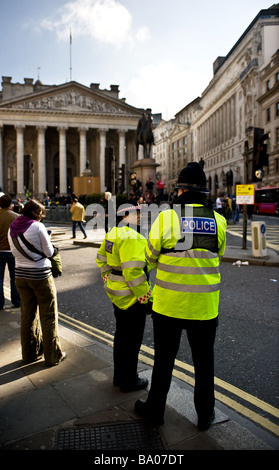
{"x": 198, "y": 225}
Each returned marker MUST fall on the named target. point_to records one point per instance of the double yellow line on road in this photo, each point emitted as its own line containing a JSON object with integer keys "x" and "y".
{"x": 179, "y": 372}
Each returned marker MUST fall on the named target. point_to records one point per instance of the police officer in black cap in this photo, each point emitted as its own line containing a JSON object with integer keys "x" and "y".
{"x": 184, "y": 246}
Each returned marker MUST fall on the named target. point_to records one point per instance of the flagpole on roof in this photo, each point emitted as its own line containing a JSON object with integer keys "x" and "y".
{"x": 70, "y": 55}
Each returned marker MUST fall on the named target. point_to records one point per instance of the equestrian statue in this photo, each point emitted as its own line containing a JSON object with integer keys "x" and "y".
{"x": 144, "y": 134}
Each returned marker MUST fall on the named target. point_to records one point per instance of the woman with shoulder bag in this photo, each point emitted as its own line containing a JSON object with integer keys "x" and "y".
{"x": 31, "y": 246}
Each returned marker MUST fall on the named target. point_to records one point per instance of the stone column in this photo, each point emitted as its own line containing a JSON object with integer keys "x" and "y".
{"x": 102, "y": 133}
{"x": 122, "y": 153}
{"x": 82, "y": 149}
{"x": 62, "y": 161}
{"x": 1, "y": 159}
{"x": 122, "y": 147}
{"x": 41, "y": 161}
{"x": 20, "y": 161}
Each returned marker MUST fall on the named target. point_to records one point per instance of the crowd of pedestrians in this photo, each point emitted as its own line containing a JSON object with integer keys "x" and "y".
{"x": 228, "y": 208}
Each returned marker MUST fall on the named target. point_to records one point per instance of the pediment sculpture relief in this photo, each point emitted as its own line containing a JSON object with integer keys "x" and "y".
{"x": 72, "y": 101}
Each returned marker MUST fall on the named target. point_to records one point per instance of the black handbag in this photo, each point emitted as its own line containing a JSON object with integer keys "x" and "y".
{"x": 55, "y": 259}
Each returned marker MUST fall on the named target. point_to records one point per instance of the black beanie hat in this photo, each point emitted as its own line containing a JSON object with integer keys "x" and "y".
{"x": 192, "y": 177}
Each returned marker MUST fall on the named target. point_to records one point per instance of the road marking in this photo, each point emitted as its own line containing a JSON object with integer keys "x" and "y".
{"x": 235, "y": 232}
{"x": 257, "y": 418}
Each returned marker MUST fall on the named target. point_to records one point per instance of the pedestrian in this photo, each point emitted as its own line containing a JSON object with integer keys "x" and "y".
{"x": 18, "y": 206}
{"x": 228, "y": 208}
{"x": 219, "y": 205}
{"x": 78, "y": 216}
{"x": 108, "y": 196}
{"x": 184, "y": 245}
{"x": 121, "y": 259}
{"x": 35, "y": 283}
{"x": 7, "y": 216}
{"x": 156, "y": 198}
{"x": 250, "y": 211}
{"x": 149, "y": 187}
{"x": 160, "y": 187}
{"x": 235, "y": 208}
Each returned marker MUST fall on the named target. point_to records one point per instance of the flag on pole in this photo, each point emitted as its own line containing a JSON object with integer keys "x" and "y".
{"x": 70, "y": 37}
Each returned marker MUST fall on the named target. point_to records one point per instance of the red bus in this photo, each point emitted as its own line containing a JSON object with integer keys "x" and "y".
{"x": 267, "y": 200}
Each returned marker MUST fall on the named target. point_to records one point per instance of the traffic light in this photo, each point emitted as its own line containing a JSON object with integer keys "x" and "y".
{"x": 109, "y": 158}
{"x": 133, "y": 179}
{"x": 260, "y": 155}
{"x": 229, "y": 178}
{"x": 263, "y": 157}
{"x": 121, "y": 178}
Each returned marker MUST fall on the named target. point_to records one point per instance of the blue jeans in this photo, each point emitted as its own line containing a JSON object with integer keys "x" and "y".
{"x": 75, "y": 223}
{"x": 6, "y": 257}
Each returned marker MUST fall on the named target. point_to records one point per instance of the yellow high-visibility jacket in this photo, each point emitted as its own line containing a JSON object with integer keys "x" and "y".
{"x": 122, "y": 257}
{"x": 78, "y": 212}
{"x": 188, "y": 279}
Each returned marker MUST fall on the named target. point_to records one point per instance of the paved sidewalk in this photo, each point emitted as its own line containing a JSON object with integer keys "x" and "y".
{"x": 75, "y": 406}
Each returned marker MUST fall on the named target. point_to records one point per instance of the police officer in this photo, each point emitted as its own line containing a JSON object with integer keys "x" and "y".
{"x": 184, "y": 245}
{"x": 121, "y": 259}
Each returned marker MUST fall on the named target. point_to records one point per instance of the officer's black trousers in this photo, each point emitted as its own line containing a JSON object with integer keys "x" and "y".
{"x": 128, "y": 336}
{"x": 201, "y": 337}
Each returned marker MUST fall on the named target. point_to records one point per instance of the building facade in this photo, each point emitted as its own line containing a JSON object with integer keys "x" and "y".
{"x": 50, "y": 134}
{"x": 242, "y": 96}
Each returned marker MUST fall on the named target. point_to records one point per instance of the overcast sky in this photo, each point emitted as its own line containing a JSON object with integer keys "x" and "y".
{"x": 159, "y": 52}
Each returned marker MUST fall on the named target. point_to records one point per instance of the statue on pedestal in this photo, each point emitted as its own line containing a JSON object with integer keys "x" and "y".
{"x": 144, "y": 134}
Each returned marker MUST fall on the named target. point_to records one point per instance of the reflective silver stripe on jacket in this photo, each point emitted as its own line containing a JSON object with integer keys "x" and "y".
{"x": 188, "y": 288}
{"x": 118, "y": 293}
{"x": 133, "y": 283}
{"x": 150, "y": 260}
{"x": 101, "y": 257}
{"x": 136, "y": 282}
{"x": 192, "y": 254}
{"x": 133, "y": 264}
{"x": 105, "y": 268}
{"x": 116, "y": 277}
{"x": 116, "y": 268}
{"x": 188, "y": 269}
{"x": 152, "y": 249}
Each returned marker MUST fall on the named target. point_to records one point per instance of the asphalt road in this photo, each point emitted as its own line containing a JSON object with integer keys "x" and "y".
{"x": 247, "y": 337}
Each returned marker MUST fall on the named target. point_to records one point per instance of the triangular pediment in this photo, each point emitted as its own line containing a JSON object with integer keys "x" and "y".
{"x": 72, "y": 98}
{"x": 178, "y": 129}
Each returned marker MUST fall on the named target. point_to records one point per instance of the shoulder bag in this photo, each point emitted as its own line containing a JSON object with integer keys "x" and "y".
{"x": 55, "y": 259}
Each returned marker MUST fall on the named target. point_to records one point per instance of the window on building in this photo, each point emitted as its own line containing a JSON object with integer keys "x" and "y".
{"x": 268, "y": 85}
{"x": 268, "y": 114}
{"x": 277, "y": 137}
{"x": 277, "y": 109}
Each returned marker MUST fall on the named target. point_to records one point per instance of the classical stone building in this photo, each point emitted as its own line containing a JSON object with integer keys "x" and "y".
{"x": 51, "y": 134}
{"x": 242, "y": 96}
{"x": 269, "y": 105}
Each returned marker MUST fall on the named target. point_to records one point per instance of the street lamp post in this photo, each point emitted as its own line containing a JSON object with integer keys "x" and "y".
{"x": 244, "y": 228}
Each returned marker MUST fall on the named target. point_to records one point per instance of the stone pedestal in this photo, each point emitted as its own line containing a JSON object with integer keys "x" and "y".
{"x": 145, "y": 169}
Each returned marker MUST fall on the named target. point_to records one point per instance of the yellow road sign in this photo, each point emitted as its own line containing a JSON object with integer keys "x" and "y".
{"x": 245, "y": 194}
